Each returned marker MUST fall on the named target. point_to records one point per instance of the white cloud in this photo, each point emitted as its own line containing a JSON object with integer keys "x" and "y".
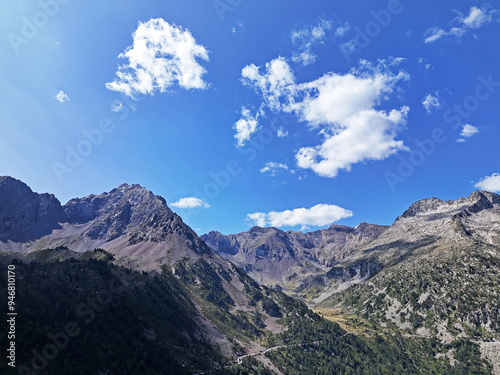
{"x": 245, "y": 126}
{"x": 190, "y": 202}
{"x": 431, "y": 102}
{"x": 467, "y": 132}
{"x": 116, "y": 106}
{"x": 161, "y": 55}
{"x": 342, "y": 30}
{"x": 62, "y": 96}
{"x": 489, "y": 183}
{"x": 368, "y": 135}
{"x": 308, "y": 37}
{"x": 305, "y": 58}
{"x": 273, "y": 168}
{"x": 277, "y": 79}
{"x": 282, "y": 133}
{"x": 476, "y": 18}
{"x": 258, "y": 218}
{"x": 424, "y": 63}
{"x": 342, "y": 107}
{"x": 434, "y": 34}
{"x": 240, "y": 27}
{"x": 319, "y": 215}
{"x": 333, "y": 98}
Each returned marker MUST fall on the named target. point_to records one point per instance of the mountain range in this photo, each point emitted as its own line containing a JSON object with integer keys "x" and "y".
{"x": 434, "y": 273}
{"x": 419, "y": 295}
{"x": 288, "y": 259}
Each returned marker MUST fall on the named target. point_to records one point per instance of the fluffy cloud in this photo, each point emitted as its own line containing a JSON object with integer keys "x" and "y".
{"x": 277, "y": 81}
{"x": 342, "y": 107}
{"x": 476, "y": 18}
{"x": 319, "y": 215}
{"x": 305, "y": 58}
{"x": 467, "y": 132}
{"x": 62, "y": 97}
{"x": 191, "y": 202}
{"x": 245, "y": 126}
{"x": 368, "y": 135}
{"x": 281, "y": 133}
{"x": 258, "y": 218}
{"x": 161, "y": 55}
{"x": 490, "y": 183}
{"x": 431, "y": 102}
{"x": 273, "y": 167}
{"x": 306, "y": 38}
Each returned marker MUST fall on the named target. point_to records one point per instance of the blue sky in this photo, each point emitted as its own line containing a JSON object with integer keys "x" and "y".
{"x": 238, "y": 112}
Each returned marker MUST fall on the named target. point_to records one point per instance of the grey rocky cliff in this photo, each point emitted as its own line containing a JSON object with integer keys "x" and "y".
{"x": 128, "y": 210}
{"x": 25, "y": 215}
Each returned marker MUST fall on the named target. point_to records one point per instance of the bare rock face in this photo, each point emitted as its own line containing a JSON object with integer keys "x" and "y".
{"x": 332, "y": 245}
{"x": 224, "y": 244}
{"x": 128, "y": 209}
{"x": 25, "y": 215}
{"x": 288, "y": 259}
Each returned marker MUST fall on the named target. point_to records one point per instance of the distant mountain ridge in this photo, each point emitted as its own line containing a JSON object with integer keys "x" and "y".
{"x": 286, "y": 259}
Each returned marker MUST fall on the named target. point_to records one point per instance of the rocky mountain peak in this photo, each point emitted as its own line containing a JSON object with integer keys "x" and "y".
{"x": 263, "y": 230}
{"x": 223, "y": 244}
{"x": 483, "y": 200}
{"x": 120, "y": 219}
{"x": 423, "y": 206}
{"x": 123, "y": 200}
{"x": 25, "y": 215}
{"x": 474, "y": 203}
{"x": 128, "y": 209}
{"x": 366, "y": 226}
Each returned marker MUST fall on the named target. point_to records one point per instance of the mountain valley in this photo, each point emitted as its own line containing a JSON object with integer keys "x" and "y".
{"x": 420, "y": 296}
